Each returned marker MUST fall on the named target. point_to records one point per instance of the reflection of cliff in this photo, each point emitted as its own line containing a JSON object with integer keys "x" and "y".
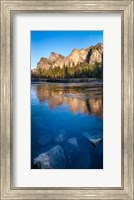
{"x": 84, "y": 100}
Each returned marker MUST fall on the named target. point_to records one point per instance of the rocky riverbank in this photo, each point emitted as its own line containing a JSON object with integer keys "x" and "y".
{"x": 65, "y": 80}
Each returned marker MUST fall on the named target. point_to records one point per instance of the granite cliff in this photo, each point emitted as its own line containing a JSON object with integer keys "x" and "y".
{"x": 91, "y": 55}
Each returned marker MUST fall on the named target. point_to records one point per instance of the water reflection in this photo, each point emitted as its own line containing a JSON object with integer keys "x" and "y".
{"x": 66, "y": 125}
{"x": 84, "y": 98}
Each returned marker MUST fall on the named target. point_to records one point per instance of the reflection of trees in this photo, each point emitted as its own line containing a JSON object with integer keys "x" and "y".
{"x": 79, "y": 99}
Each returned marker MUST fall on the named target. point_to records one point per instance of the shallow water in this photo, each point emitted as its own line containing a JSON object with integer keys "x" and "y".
{"x": 63, "y": 114}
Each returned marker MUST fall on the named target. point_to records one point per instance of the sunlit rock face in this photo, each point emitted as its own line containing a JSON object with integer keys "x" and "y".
{"x": 83, "y": 54}
{"x": 95, "y": 57}
{"x": 43, "y": 63}
{"x": 77, "y": 56}
{"x": 86, "y": 100}
{"x": 92, "y": 55}
{"x": 54, "y": 56}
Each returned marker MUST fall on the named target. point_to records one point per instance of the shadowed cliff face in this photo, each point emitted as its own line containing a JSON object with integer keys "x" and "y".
{"x": 91, "y": 55}
{"x": 83, "y": 98}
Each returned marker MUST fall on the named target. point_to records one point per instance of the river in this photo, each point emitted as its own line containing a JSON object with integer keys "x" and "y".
{"x": 67, "y": 118}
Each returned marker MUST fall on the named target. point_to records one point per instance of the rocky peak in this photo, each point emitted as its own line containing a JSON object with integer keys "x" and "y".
{"x": 99, "y": 47}
{"x": 43, "y": 63}
{"x": 43, "y": 59}
{"x": 75, "y": 50}
{"x": 54, "y": 56}
{"x": 96, "y": 54}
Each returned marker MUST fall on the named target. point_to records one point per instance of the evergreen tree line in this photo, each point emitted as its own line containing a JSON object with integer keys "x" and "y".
{"x": 81, "y": 70}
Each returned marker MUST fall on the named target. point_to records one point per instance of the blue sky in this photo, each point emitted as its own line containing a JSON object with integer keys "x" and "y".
{"x": 62, "y": 42}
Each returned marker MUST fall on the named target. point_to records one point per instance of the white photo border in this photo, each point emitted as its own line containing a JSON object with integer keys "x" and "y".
{"x": 110, "y": 176}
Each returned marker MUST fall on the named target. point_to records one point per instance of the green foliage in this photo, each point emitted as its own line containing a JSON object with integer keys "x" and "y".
{"x": 81, "y": 70}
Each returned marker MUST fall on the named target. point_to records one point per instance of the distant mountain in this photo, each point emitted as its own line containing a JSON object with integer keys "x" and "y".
{"x": 91, "y": 55}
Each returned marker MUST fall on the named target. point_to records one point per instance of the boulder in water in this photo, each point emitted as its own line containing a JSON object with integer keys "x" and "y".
{"x": 52, "y": 159}
{"x": 94, "y": 140}
{"x": 61, "y": 137}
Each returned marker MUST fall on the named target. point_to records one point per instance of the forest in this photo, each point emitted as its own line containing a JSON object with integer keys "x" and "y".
{"x": 81, "y": 70}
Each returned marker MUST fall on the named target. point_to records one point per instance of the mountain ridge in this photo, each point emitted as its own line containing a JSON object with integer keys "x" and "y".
{"x": 79, "y": 63}
{"x": 91, "y": 55}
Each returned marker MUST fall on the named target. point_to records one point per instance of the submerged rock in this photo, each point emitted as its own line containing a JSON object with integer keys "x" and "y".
{"x": 61, "y": 137}
{"x": 73, "y": 142}
{"x": 94, "y": 140}
{"x": 52, "y": 159}
{"x": 45, "y": 139}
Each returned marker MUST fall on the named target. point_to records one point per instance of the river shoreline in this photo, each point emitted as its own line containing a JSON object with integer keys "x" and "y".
{"x": 65, "y": 80}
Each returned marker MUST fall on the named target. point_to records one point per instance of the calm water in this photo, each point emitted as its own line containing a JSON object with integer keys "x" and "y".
{"x": 66, "y": 123}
